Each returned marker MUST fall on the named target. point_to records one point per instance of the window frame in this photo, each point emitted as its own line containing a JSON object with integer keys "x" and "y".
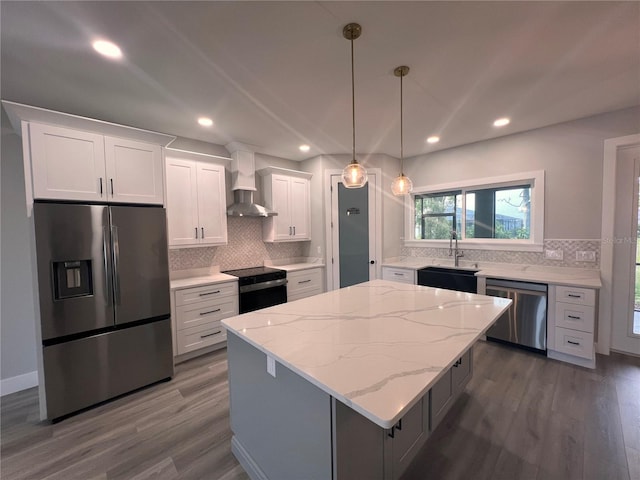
{"x": 533, "y": 244}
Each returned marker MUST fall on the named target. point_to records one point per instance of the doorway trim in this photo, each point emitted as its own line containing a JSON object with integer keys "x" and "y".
{"x": 609, "y": 169}
{"x": 375, "y": 229}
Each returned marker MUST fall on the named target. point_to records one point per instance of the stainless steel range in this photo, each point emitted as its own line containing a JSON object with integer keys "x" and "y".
{"x": 260, "y": 287}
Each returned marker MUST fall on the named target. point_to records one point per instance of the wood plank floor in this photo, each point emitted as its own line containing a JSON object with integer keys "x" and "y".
{"x": 522, "y": 416}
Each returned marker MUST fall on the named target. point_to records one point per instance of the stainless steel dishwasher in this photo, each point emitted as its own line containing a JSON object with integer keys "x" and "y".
{"x": 525, "y": 322}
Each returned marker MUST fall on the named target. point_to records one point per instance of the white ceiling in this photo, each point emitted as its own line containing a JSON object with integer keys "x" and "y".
{"x": 277, "y": 74}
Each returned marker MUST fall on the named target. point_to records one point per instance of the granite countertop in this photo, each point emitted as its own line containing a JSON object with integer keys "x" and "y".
{"x": 378, "y": 347}
{"x": 198, "y": 281}
{"x": 575, "y": 277}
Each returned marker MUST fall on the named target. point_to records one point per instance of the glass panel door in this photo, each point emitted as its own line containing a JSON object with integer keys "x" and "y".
{"x": 636, "y": 303}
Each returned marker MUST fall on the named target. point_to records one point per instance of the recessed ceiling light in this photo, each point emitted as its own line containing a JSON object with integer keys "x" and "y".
{"x": 433, "y": 139}
{"x": 501, "y": 122}
{"x": 106, "y": 48}
{"x": 304, "y": 148}
{"x": 205, "y": 122}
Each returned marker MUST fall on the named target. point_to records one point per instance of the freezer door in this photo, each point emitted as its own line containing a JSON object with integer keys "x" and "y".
{"x": 83, "y": 372}
{"x": 140, "y": 263}
{"x": 73, "y": 262}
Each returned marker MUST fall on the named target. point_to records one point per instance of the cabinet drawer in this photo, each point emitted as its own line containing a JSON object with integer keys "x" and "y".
{"x": 204, "y": 313}
{"x": 194, "y": 338}
{"x": 574, "y": 342}
{"x": 574, "y": 316}
{"x": 580, "y": 296}
{"x": 305, "y": 294}
{"x": 403, "y": 275}
{"x": 304, "y": 281}
{"x": 207, "y": 292}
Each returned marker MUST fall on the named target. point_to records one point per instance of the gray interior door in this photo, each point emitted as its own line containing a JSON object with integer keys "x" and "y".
{"x": 140, "y": 263}
{"x": 73, "y": 258}
{"x": 353, "y": 218}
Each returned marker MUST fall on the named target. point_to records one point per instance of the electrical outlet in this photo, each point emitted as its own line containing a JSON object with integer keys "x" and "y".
{"x": 586, "y": 256}
{"x": 553, "y": 254}
{"x": 271, "y": 366}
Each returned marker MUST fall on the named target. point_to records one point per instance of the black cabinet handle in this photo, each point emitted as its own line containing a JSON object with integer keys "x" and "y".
{"x": 399, "y": 424}
{"x": 573, "y": 317}
{"x": 392, "y": 432}
{"x": 572, "y": 295}
{"x": 399, "y": 274}
{"x": 211, "y": 334}
{"x": 458, "y": 363}
{"x": 209, "y": 293}
{"x": 196, "y": 232}
{"x": 100, "y": 186}
{"x": 202, "y": 230}
{"x": 573, "y": 343}
{"x": 111, "y": 179}
{"x": 304, "y": 281}
{"x": 210, "y": 311}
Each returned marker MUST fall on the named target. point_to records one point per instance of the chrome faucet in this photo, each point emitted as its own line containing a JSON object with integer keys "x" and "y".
{"x": 454, "y": 250}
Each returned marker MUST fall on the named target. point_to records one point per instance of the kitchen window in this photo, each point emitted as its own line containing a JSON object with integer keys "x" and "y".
{"x": 500, "y": 212}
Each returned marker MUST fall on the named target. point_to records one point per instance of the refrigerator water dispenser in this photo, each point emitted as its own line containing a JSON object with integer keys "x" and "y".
{"x": 72, "y": 279}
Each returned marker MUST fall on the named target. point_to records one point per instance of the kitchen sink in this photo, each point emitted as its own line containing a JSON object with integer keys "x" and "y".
{"x": 460, "y": 279}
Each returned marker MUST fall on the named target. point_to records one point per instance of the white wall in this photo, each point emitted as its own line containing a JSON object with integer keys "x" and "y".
{"x": 571, "y": 154}
{"x": 17, "y": 328}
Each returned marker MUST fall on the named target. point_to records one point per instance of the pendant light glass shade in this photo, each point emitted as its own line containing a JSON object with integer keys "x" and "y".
{"x": 354, "y": 175}
{"x": 402, "y": 185}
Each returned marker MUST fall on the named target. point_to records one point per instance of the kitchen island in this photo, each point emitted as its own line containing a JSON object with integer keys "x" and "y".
{"x": 350, "y": 383}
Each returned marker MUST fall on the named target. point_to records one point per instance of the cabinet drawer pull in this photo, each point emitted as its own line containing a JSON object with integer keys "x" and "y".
{"x": 392, "y": 432}
{"x": 196, "y": 232}
{"x": 211, "y": 334}
{"x": 209, "y": 293}
{"x": 100, "y": 186}
{"x": 304, "y": 281}
{"x": 202, "y": 231}
{"x": 574, "y": 295}
{"x": 573, "y": 343}
{"x": 111, "y": 180}
{"x": 399, "y": 424}
{"x": 210, "y": 311}
{"x": 573, "y": 317}
{"x": 458, "y": 363}
{"x": 398, "y": 274}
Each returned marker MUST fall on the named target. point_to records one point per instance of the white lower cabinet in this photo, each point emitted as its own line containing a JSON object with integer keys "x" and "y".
{"x": 572, "y": 324}
{"x": 403, "y": 275}
{"x": 304, "y": 283}
{"x": 197, "y": 314}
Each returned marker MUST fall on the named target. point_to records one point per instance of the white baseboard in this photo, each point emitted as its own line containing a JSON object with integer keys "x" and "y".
{"x": 17, "y": 383}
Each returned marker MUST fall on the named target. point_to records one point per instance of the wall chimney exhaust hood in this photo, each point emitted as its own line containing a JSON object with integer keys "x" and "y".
{"x": 243, "y": 183}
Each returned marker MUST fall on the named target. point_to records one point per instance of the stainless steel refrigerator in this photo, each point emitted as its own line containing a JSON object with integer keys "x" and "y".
{"x": 103, "y": 281}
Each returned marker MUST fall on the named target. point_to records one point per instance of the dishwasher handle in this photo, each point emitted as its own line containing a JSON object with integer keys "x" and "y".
{"x": 515, "y": 285}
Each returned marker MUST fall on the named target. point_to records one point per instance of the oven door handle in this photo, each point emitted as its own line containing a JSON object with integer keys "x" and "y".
{"x": 262, "y": 285}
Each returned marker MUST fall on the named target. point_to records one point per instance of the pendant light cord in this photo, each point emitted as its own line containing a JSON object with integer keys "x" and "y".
{"x": 353, "y": 103}
{"x": 401, "y": 138}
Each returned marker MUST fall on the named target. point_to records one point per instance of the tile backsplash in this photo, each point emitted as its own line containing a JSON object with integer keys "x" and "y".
{"x": 568, "y": 247}
{"x": 244, "y": 249}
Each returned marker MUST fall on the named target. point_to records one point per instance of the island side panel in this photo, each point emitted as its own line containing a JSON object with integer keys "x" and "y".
{"x": 281, "y": 425}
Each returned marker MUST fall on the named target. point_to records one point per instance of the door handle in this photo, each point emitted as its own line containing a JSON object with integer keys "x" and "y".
{"x": 372, "y": 262}
{"x": 115, "y": 246}
{"x": 105, "y": 253}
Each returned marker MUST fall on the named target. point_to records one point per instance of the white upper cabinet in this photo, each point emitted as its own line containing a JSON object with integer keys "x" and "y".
{"x": 134, "y": 171}
{"x": 288, "y": 193}
{"x": 196, "y": 202}
{"x": 69, "y": 164}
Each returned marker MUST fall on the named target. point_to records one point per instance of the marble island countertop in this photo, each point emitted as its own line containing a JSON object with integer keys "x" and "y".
{"x": 577, "y": 277}
{"x": 378, "y": 347}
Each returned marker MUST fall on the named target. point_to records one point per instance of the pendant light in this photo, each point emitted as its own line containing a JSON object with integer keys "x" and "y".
{"x": 354, "y": 175}
{"x": 402, "y": 185}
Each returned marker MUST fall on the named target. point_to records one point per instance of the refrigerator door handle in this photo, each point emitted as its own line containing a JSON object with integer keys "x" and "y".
{"x": 115, "y": 251}
{"x": 105, "y": 258}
